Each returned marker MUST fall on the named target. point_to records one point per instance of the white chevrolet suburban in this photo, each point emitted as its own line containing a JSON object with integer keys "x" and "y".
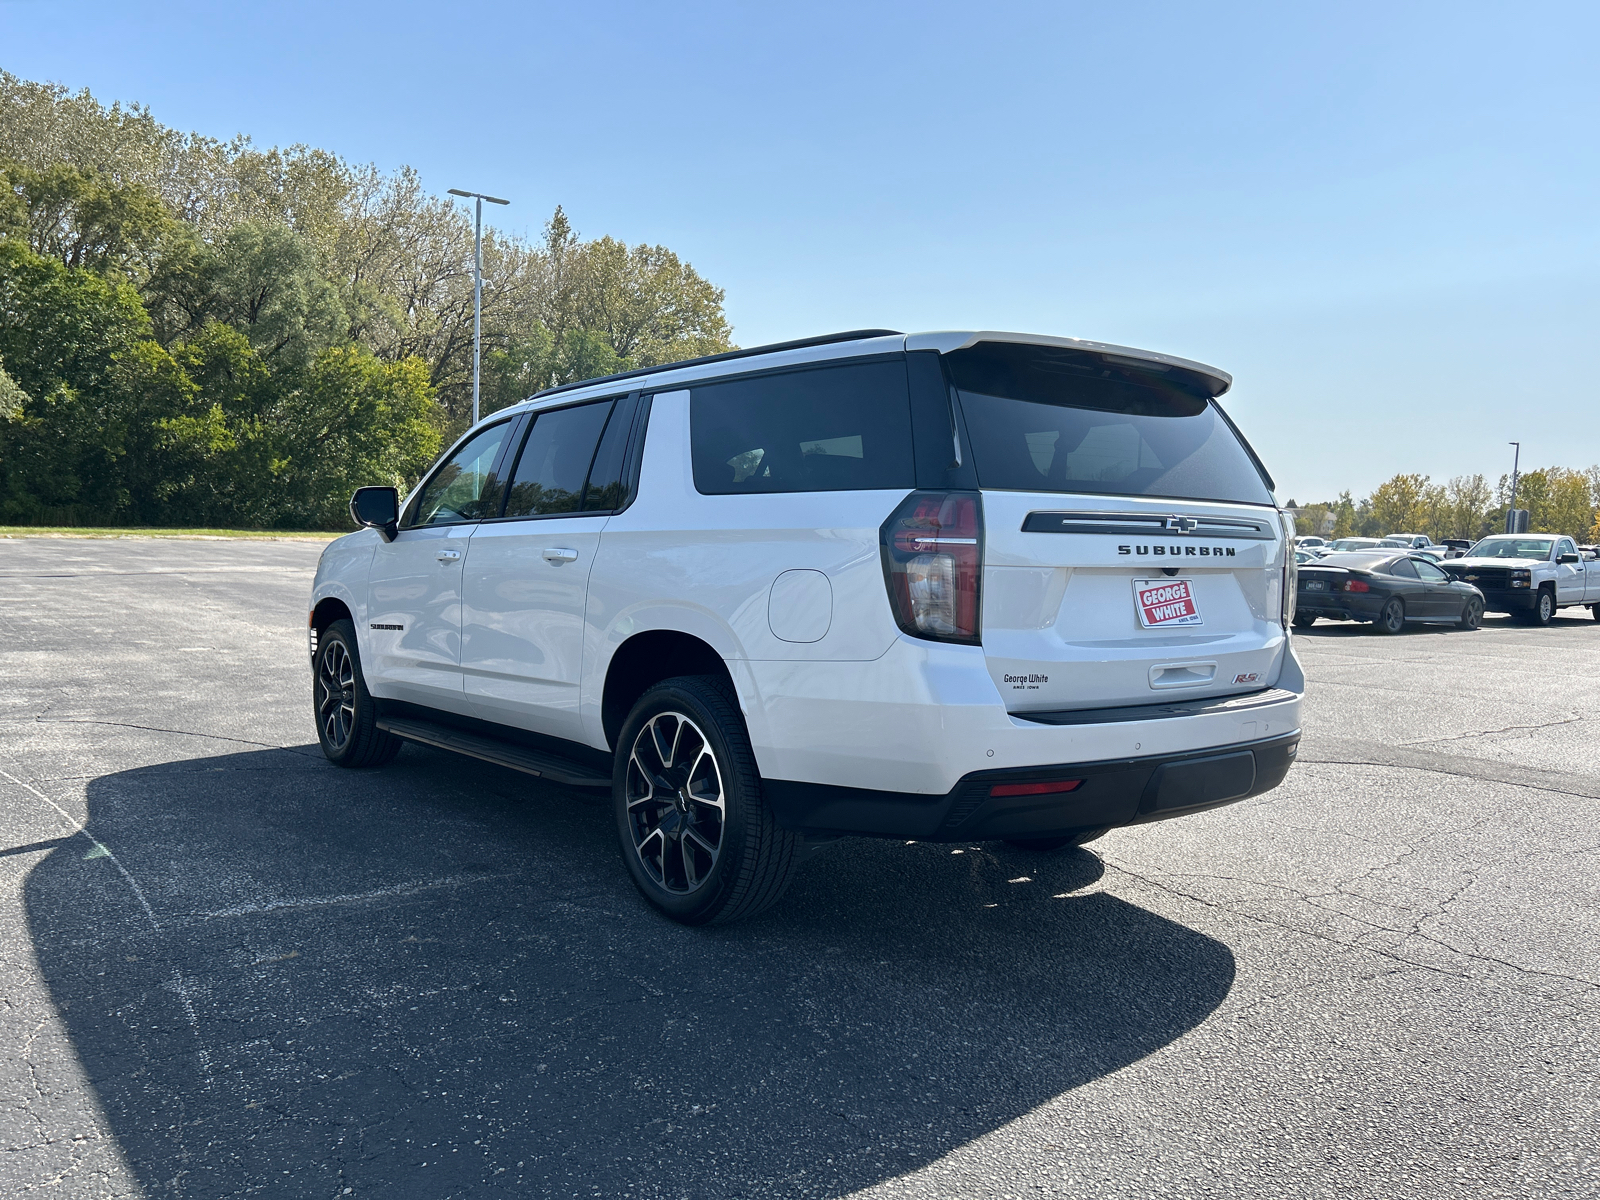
{"x": 944, "y": 586}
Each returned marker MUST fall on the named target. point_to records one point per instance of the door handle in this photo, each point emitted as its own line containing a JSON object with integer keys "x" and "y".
{"x": 558, "y": 554}
{"x": 449, "y": 555}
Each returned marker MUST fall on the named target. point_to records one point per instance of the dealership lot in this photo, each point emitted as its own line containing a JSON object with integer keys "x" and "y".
{"x": 227, "y": 967}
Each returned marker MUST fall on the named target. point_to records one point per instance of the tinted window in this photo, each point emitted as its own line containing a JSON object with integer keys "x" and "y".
{"x": 1565, "y": 546}
{"x": 1430, "y": 572}
{"x": 606, "y": 489}
{"x": 1403, "y": 568}
{"x": 1047, "y": 419}
{"x": 463, "y": 488}
{"x": 845, "y": 427}
{"x": 555, "y": 459}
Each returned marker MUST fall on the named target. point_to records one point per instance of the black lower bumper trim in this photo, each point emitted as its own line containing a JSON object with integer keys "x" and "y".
{"x": 1113, "y": 792}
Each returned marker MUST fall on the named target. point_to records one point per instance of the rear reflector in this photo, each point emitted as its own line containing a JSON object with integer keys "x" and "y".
{"x": 1036, "y": 789}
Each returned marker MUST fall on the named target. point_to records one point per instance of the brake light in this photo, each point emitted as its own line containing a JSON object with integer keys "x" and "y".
{"x": 1036, "y": 789}
{"x": 932, "y": 548}
{"x": 1355, "y": 585}
{"x": 1291, "y": 572}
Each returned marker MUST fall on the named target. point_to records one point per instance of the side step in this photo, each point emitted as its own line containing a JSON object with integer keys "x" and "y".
{"x": 505, "y": 754}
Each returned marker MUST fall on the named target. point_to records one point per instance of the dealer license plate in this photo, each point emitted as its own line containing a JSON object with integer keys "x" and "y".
{"x": 1164, "y": 602}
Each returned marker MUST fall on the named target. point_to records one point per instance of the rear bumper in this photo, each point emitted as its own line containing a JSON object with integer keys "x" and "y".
{"x": 1340, "y": 606}
{"x": 927, "y": 716}
{"x": 1113, "y": 792}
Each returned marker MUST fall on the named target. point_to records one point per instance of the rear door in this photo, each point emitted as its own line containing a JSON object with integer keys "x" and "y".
{"x": 527, "y": 577}
{"x": 1132, "y": 546}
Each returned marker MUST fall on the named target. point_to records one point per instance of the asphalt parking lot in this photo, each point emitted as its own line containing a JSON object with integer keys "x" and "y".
{"x": 228, "y": 968}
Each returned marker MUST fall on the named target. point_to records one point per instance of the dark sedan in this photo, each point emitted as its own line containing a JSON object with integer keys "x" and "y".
{"x": 1387, "y": 589}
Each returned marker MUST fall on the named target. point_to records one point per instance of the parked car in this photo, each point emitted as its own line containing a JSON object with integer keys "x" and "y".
{"x": 1304, "y": 556}
{"x": 930, "y": 586}
{"x": 1310, "y": 542}
{"x": 1456, "y": 546}
{"x": 1531, "y": 575}
{"x": 1385, "y": 589}
{"x": 1345, "y": 545}
{"x": 1407, "y": 541}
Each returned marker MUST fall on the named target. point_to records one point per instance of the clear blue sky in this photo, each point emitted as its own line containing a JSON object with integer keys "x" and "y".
{"x": 1381, "y": 218}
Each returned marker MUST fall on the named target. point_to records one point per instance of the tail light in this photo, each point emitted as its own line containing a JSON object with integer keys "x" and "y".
{"x": 1355, "y": 585}
{"x": 932, "y": 548}
{"x": 1291, "y": 571}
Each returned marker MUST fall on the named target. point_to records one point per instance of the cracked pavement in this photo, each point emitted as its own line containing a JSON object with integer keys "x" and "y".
{"x": 227, "y": 968}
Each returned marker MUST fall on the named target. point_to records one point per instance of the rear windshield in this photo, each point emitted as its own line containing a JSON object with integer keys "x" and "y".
{"x": 1050, "y": 419}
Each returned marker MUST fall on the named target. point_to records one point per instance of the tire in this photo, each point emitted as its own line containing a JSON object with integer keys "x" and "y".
{"x": 1078, "y": 837}
{"x": 1304, "y": 620}
{"x": 697, "y": 836}
{"x": 1393, "y": 617}
{"x": 1595, "y": 609}
{"x": 344, "y": 710}
{"x": 1471, "y": 614}
{"x": 1544, "y": 608}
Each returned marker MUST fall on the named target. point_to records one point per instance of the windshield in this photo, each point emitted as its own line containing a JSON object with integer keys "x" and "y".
{"x": 1512, "y": 547}
{"x": 1050, "y": 419}
{"x": 1353, "y": 544}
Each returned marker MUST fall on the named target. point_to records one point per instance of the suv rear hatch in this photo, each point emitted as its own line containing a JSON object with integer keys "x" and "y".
{"x": 1132, "y": 548}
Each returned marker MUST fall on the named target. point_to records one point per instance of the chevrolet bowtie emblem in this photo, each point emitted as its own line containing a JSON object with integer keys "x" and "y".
{"x": 1186, "y": 524}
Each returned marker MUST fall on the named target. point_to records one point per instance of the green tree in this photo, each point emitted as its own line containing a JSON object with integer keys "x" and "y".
{"x": 1399, "y": 504}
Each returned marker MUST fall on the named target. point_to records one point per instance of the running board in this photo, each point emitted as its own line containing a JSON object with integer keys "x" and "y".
{"x": 504, "y": 754}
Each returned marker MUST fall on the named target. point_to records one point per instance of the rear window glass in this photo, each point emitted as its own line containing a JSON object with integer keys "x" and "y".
{"x": 1050, "y": 419}
{"x": 844, "y": 427}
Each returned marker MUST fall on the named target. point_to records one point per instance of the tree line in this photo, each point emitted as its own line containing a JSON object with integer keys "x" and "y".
{"x": 195, "y": 331}
{"x": 1558, "y": 500}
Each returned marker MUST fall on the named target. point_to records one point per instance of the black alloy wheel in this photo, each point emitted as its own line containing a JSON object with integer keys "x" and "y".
{"x": 1078, "y": 837}
{"x": 696, "y": 833}
{"x": 1471, "y": 614}
{"x": 1393, "y": 617}
{"x": 346, "y": 715}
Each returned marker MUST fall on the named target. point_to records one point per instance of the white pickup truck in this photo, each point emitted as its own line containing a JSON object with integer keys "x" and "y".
{"x": 1531, "y": 575}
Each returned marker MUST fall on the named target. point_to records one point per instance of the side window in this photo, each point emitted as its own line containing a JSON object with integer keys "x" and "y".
{"x": 1565, "y": 546}
{"x": 1403, "y": 568}
{"x": 463, "y": 487}
{"x": 843, "y": 427}
{"x": 555, "y": 459}
{"x": 606, "y": 488}
{"x": 1429, "y": 572}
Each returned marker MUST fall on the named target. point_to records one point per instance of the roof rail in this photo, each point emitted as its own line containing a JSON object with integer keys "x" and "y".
{"x": 851, "y": 335}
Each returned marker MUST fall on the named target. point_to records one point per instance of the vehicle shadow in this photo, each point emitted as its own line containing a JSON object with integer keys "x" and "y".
{"x": 436, "y": 978}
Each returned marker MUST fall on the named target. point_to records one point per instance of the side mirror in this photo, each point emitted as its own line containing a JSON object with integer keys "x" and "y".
{"x": 377, "y": 508}
{"x": 1567, "y": 558}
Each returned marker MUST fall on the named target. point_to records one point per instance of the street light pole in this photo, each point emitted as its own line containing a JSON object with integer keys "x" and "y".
{"x": 477, "y": 290}
{"x": 1511, "y": 513}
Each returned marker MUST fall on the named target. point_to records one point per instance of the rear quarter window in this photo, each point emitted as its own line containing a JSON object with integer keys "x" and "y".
{"x": 841, "y": 427}
{"x": 1053, "y": 419}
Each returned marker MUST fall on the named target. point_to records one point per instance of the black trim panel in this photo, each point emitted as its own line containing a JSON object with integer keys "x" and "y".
{"x": 1115, "y": 792}
{"x": 1158, "y": 712}
{"x": 1154, "y": 526}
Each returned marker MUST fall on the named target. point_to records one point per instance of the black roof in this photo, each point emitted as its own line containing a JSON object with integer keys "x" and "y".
{"x": 851, "y": 335}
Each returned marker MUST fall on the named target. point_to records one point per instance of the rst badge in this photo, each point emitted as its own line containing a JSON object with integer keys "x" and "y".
{"x": 1163, "y": 602}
